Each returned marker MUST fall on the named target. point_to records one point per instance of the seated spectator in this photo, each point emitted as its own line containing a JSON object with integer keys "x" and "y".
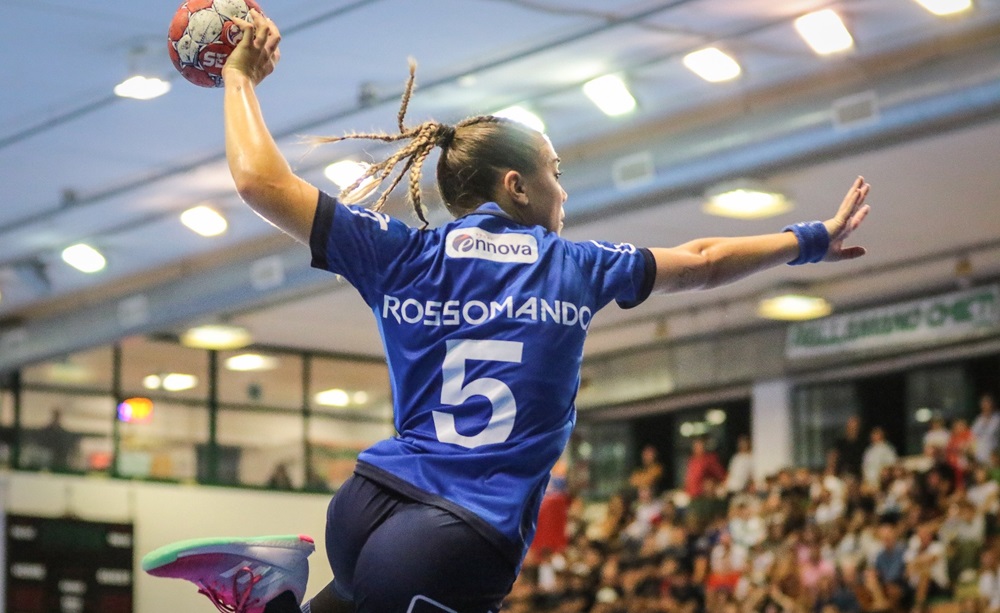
{"x": 983, "y": 492}
{"x": 746, "y": 527}
{"x": 989, "y": 582}
{"x": 937, "y": 436}
{"x": 645, "y": 516}
{"x": 890, "y": 563}
{"x": 815, "y": 568}
{"x": 926, "y": 566}
{"x": 964, "y": 533}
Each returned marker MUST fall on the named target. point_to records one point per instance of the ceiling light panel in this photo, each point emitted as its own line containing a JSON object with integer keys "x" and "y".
{"x": 712, "y": 64}
{"x": 522, "y": 115}
{"x": 824, "y": 31}
{"x": 610, "y": 94}
{"x": 84, "y": 258}
{"x": 945, "y": 7}
{"x": 204, "y": 220}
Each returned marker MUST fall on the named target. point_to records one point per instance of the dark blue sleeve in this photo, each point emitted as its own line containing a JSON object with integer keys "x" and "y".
{"x": 616, "y": 271}
{"x": 356, "y": 243}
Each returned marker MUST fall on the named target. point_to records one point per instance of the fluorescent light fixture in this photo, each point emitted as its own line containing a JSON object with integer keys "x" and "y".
{"x": 333, "y": 398}
{"x": 745, "y": 200}
{"x": 945, "y": 7}
{"x": 142, "y": 88}
{"x": 246, "y": 362}
{"x": 178, "y": 382}
{"x": 523, "y": 116}
{"x": 793, "y": 307}
{"x": 610, "y": 94}
{"x": 345, "y": 172}
{"x": 824, "y": 31}
{"x": 712, "y": 64}
{"x": 84, "y": 258}
{"x": 204, "y": 220}
{"x": 216, "y": 336}
{"x": 171, "y": 382}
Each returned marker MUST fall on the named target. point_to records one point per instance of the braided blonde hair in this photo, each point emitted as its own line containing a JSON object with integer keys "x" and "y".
{"x": 474, "y": 152}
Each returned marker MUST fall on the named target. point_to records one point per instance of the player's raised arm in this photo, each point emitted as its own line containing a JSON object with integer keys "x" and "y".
{"x": 710, "y": 262}
{"x": 263, "y": 177}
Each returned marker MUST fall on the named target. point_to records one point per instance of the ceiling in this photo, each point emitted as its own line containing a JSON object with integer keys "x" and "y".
{"x": 914, "y": 107}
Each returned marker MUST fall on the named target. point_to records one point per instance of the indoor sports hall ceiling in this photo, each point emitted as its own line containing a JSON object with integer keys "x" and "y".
{"x": 914, "y": 106}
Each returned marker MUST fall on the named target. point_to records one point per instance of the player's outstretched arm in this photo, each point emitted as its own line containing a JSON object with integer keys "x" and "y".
{"x": 263, "y": 177}
{"x": 710, "y": 262}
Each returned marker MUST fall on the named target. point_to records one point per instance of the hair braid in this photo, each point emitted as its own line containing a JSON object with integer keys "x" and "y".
{"x": 423, "y": 139}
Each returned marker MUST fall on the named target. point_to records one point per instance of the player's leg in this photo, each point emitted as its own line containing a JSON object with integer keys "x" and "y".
{"x": 425, "y": 560}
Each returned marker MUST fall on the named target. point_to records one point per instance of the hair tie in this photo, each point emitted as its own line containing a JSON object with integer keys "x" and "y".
{"x": 446, "y": 134}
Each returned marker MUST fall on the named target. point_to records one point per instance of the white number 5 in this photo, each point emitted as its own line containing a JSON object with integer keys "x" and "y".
{"x": 454, "y": 393}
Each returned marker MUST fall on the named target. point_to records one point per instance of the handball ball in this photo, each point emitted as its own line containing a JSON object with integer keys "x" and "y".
{"x": 203, "y": 34}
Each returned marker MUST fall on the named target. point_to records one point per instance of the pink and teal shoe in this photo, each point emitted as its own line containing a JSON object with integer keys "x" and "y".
{"x": 237, "y": 575}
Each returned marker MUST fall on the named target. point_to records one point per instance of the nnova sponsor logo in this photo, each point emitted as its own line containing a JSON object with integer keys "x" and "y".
{"x": 483, "y": 245}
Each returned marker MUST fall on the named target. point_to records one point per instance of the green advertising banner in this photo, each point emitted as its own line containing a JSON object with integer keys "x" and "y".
{"x": 943, "y": 318}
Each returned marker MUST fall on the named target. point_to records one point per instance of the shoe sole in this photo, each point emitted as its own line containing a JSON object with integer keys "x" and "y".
{"x": 284, "y": 551}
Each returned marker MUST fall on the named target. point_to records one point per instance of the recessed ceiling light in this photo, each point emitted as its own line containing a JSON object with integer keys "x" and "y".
{"x": 945, "y": 7}
{"x": 745, "y": 200}
{"x": 610, "y": 94}
{"x": 523, "y": 116}
{"x": 204, "y": 220}
{"x": 84, "y": 258}
{"x": 824, "y": 31}
{"x": 216, "y": 336}
{"x": 245, "y": 362}
{"x": 794, "y": 307}
{"x": 142, "y": 88}
{"x": 712, "y": 64}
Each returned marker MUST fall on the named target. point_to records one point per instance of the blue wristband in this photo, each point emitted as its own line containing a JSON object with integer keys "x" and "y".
{"x": 814, "y": 241}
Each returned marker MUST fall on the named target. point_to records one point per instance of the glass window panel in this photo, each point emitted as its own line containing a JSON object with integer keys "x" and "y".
{"x": 602, "y": 452}
{"x": 91, "y": 369}
{"x": 277, "y": 381}
{"x": 169, "y": 445}
{"x": 261, "y": 448}
{"x": 146, "y": 365}
{"x": 6, "y": 426}
{"x": 819, "y": 413}
{"x": 933, "y": 392}
{"x": 66, "y": 431}
{"x": 359, "y": 387}
{"x": 335, "y": 445}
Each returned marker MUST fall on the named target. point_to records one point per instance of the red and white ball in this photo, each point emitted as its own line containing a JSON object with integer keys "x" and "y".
{"x": 203, "y": 34}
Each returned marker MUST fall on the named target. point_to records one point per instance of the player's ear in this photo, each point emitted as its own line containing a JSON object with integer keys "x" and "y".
{"x": 513, "y": 185}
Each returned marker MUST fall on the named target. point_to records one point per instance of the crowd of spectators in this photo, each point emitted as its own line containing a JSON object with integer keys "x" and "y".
{"x": 870, "y": 532}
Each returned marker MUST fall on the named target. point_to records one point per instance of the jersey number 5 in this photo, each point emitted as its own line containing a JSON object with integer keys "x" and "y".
{"x": 454, "y": 391}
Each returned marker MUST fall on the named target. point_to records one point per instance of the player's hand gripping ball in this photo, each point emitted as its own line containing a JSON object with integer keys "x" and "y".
{"x": 203, "y": 34}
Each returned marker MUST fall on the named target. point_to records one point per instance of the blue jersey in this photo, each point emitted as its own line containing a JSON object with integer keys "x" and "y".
{"x": 483, "y": 322}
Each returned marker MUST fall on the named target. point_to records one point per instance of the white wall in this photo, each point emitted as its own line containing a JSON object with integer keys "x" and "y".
{"x": 771, "y": 426}
{"x": 164, "y": 513}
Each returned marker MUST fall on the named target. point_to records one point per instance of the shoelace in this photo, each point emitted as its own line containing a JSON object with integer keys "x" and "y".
{"x": 240, "y": 598}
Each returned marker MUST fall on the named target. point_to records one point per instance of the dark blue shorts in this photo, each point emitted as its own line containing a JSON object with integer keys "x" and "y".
{"x": 391, "y": 554}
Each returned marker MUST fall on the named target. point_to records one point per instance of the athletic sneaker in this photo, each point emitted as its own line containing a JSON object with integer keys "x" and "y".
{"x": 237, "y": 575}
